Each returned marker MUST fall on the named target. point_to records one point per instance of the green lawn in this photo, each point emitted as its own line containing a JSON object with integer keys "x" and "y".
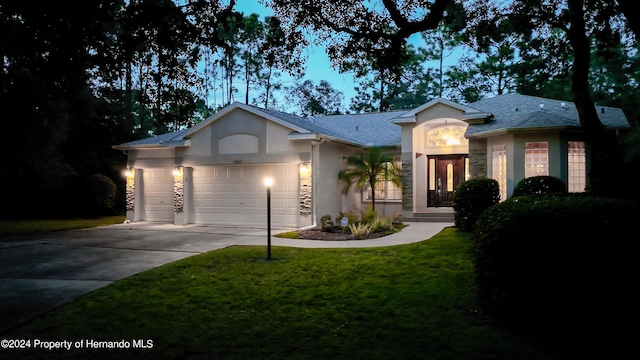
{"x": 403, "y": 302}
{"x": 24, "y": 227}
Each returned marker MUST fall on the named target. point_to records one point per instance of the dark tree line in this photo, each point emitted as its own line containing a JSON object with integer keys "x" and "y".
{"x": 76, "y": 79}
{"x": 79, "y": 78}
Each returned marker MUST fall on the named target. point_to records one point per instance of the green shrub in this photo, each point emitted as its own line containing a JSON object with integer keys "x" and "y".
{"x": 555, "y": 264}
{"x": 326, "y": 224}
{"x": 95, "y": 195}
{"x": 360, "y": 230}
{"x": 368, "y": 216}
{"x": 539, "y": 185}
{"x": 471, "y": 198}
{"x": 381, "y": 224}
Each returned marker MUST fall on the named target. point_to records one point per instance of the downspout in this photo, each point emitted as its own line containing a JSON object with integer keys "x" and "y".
{"x": 314, "y": 188}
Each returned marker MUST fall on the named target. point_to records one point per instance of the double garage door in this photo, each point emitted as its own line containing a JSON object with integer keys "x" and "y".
{"x": 228, "y": 195}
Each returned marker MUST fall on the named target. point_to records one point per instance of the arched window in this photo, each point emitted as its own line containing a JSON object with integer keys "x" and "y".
{"x": 447, "y": 134}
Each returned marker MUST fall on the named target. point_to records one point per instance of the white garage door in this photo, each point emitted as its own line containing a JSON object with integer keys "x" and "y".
{"x": 236, "y": 195}
{"x": 157, "y": 192}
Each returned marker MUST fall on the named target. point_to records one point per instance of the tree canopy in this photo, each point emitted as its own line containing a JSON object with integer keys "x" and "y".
{"x": 357, "y": 29}
{"x": 76, "y": 80}
{"x": 582, "y": 30}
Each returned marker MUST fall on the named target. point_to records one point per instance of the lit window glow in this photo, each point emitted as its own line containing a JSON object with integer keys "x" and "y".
{"x": 536, "y": 159}
{"x": 577, "y": 167}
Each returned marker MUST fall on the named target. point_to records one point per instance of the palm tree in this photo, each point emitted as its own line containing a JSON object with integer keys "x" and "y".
{"x": 368, "y": 167}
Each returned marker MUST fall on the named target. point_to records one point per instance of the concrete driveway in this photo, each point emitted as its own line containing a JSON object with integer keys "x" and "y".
{"x": 41, "y": 272}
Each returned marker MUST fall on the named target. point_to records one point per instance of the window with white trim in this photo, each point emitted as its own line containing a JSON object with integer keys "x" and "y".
{"x": 536, "y": 159}
{"x": 576, "y": 166}
{"x": 385, "y": 188}
{"x": 499, "y": 168}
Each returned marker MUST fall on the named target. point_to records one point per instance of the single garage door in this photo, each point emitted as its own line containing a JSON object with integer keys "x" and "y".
{"x": 236, "y": 195}
{"x": 157, "y": 192}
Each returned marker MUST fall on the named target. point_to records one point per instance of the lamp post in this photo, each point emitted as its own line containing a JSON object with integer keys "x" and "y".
{"x": 268, "y": 182}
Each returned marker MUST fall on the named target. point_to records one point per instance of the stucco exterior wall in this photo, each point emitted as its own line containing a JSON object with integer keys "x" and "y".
{"x": 515, "y": 145}
{"x": 330, "y": 199}
{"x": 553, "y": 141}
{"x": 242, "y": 131}
{"x": 151, "y": 158}
{"x": 438, "y": 111}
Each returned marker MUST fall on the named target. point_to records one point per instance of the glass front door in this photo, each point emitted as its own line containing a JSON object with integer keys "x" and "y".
{"x": 445, "y": 173}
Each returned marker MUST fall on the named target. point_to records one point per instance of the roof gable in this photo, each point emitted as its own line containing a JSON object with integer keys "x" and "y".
{"x": 281, "y": 120}
{"x": 468, "y": 113}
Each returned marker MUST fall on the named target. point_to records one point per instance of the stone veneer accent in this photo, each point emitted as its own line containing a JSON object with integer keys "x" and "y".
{"x": 305, "y": 190}
{"x": 477, "y": 158}
{"x": 178, "y": 193}
{"x": 130, "y": 192}
{"x": 407, "y": 185}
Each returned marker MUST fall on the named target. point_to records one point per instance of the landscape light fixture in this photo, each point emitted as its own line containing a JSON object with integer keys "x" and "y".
{"x": 268, "y": 182}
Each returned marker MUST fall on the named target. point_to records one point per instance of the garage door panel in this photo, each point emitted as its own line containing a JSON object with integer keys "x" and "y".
{"x": 157, "y": 194}
{"x": 279, "y": 203}
{"x": 252, "y": 188}
{"x": 220, "y": 188}
{"x": 238, "y": 196}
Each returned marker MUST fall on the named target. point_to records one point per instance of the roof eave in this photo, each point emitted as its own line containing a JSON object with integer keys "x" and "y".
{"x": 503, "y": 131}
{"x": 474, "y": 118}
{"x": 170, "y": 144}
{"x": 404, "y": 120}
{"x": 316, "y": 136}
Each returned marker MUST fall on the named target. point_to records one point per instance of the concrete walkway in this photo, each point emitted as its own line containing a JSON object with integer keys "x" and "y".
{"x": 41, "y": 272}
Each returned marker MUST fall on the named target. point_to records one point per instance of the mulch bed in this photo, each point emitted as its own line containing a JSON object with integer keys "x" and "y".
{"x": 333, "y": 236}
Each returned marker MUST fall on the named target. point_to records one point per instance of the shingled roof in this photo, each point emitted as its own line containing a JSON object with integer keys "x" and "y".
{"x": 508, "y": 112}
{"x": 370, "y": 129}
{"x": 523, "y": 112}
{"x": 364, "y": 130}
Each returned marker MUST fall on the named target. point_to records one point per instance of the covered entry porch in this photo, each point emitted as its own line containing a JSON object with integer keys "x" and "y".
{"x": 440, "y": 163}
{"x": 435, "y": 159}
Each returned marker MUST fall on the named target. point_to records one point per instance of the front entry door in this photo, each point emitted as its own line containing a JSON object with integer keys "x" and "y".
{"x": 445, "y": 173}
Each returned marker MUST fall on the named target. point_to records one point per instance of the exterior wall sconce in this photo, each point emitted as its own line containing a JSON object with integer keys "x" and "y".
{"x": 128, "y": 172}
{"x": 177, "y": 171}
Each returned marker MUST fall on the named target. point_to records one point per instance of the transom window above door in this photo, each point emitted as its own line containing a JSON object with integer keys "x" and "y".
{"x": 447, "y": 134}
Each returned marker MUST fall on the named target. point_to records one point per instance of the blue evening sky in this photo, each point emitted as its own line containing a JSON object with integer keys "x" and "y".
{"x": 318, "y": 66}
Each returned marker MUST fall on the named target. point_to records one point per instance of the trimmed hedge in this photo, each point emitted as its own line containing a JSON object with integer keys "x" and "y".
{"x": 541, "y": 184}
{"x": 556, "y": 264}
{"x": 472, "y": 198}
